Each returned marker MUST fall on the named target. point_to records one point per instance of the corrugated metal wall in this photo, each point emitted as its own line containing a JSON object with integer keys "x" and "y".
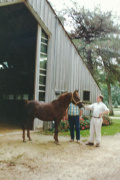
{"x": 66, "y": 70}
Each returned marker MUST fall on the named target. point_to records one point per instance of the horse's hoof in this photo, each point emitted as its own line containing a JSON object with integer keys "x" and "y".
{"x": 30, "y": 139}
{"x": 57, "y": 142}
{"x": 24, "y": 141}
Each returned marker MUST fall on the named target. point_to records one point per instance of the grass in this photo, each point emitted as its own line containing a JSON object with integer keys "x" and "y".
{"x": 106, "y": 130}
{"x": 112, "y": 129}
{"x": 116, "y": 112}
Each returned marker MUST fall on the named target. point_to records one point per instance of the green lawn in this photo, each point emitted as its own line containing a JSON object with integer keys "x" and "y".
{"x": 106, "y": 130}
{"x": 116, "y": 112}
{"x": 112, "y": 129}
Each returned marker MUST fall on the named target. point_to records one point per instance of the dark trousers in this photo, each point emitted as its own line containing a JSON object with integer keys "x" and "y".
{"x": 74, "y": 121}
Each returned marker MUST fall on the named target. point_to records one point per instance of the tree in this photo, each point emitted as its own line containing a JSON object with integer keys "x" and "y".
{"x": 90, "y": 26}
{"x": 109, "y": 58}
{"x": 94, "y": 34}
{"x": 116, "y": 93}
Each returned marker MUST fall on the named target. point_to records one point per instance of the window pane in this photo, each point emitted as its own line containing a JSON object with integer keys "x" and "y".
{"x": 86, "y": 96}
{"x": 42, "y": 80}
{"x": 44, "y": 40}
{"x": 25, "y": 96}
{"x": 43, "y": 64}
{"x": 43, "y": 56}
{"x": 41, "y": 96}
{"x": 43, "y": 48}
{"x": 44, "y": 34}
{"x": 42, "y": 88}
{"x": 42, "y": 72}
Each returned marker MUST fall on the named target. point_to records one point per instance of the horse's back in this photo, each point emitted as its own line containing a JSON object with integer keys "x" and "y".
{"x": 39, "y": 109}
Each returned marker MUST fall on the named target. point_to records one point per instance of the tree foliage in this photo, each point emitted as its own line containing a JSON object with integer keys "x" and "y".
{"x": 96, "y": 36}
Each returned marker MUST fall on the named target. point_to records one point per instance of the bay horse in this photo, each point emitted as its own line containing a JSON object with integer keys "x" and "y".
{"x": 53, "y": 111}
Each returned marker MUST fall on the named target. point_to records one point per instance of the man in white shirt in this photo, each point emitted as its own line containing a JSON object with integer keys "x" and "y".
{"x": 99, "y": 109}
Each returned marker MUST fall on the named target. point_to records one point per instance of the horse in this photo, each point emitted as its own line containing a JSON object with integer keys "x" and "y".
{"x": 53, "y": 111}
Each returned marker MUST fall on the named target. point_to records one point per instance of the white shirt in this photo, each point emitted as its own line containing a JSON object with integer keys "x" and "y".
{"x": 98, "y": 108}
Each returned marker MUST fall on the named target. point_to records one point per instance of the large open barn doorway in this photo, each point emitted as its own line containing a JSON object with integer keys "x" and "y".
{"x": 18, "y": 30}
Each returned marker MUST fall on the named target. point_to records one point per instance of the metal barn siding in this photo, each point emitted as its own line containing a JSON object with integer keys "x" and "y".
{"x": 66, "y": 71}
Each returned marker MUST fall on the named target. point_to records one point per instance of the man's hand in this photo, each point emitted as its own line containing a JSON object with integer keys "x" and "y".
{"x": 86, "y": 107}
{"x": 100, "y": 115}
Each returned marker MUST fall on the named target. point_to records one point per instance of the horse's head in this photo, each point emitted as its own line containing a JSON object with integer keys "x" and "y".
{"x": 76, "y": 99}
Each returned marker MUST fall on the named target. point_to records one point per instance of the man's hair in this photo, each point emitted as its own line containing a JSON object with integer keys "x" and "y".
{"x": 101, "y": 97}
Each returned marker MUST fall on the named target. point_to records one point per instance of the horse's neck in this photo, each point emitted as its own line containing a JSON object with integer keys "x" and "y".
{"x": 67, "y": 99}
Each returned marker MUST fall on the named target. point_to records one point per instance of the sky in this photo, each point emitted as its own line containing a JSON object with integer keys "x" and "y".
{"x": 105, "y": 5}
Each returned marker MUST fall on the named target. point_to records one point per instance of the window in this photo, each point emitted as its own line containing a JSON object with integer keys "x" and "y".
{"x": 86, "y": 95}
{"x": 43, "y": 66}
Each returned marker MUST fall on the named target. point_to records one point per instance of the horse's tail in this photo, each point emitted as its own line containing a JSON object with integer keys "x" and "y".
{"x": 23, "y": 114}
{"x": 26, "y": 102}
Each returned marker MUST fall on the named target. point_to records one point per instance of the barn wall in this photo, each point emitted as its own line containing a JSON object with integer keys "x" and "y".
{"x": 65, "y": 69}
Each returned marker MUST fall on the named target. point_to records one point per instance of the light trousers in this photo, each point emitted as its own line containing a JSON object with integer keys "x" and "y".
{"x": 95, "y": 129}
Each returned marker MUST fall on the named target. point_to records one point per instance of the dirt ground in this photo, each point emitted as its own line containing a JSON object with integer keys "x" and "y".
{"x": 42, "y": 159}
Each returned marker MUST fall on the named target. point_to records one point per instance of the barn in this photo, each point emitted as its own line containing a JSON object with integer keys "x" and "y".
{"x": 37, "y": 59}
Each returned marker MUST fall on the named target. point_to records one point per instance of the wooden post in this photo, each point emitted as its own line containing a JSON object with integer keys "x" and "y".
{"x": 37, "y": 123}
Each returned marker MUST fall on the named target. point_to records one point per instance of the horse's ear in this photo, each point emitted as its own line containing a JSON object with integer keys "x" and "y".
{"x": 76, "y": 90}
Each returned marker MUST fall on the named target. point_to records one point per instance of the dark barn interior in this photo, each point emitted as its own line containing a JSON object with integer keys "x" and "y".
{"x": 18, "y": 30}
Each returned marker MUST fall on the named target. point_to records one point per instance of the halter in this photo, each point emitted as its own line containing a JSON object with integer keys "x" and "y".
{"x": 72, "y": 99}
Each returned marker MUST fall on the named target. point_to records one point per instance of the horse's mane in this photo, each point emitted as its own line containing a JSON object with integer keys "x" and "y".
{"x": 61, "y": 97}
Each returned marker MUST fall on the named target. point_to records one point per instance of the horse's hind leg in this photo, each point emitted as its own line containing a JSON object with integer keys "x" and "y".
{"x": 28, "y": 134}
{"x": 29, "y": 125}
{"x": 56, "y": 132}
{"x": 23, "y": 135}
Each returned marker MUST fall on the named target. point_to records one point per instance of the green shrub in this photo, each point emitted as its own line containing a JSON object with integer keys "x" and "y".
{"x": 84, "y": 123}
{"x": 107, "y": 121}
{"x": 64, "y": 126}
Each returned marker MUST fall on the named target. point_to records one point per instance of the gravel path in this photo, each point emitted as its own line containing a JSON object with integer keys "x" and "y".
{"x": 42, "y": 159}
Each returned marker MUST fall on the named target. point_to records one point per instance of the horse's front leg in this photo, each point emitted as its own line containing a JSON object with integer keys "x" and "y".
{"x": 56, "y": 131}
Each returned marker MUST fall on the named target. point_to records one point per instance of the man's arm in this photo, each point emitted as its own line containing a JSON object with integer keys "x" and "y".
{"x": 103, "y": 113}
{"x": 89, "y": 107}
{"x": 81, "y": 111}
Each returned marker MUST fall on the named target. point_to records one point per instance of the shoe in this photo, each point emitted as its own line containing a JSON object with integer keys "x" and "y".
{"x": 78, "y": 141}
{"x": 89, "y": 143}
{"x": 71, "y": 140}
{"x": 97, "y": 145}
